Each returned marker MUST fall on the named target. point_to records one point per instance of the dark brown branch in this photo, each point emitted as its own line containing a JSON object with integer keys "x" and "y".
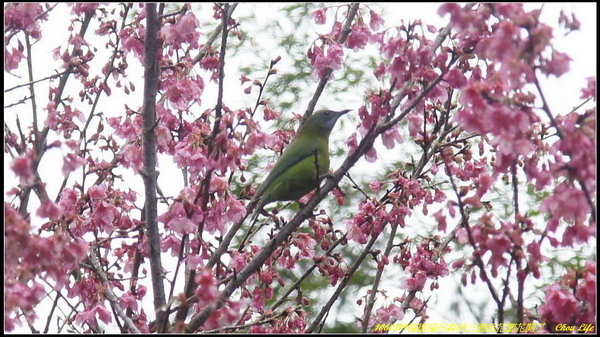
{"x": 149, "y": 175}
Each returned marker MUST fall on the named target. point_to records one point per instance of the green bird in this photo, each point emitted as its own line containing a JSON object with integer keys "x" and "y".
{"x": 302, "y": 164}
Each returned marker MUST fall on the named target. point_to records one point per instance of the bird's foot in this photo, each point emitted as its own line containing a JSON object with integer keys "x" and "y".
{"x": 326, "y": 176}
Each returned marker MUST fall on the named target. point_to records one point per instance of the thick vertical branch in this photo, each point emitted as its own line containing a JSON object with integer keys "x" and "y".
{"x": 149, "y": 156}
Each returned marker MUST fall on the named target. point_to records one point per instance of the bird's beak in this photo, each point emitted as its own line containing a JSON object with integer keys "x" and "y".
{"x": 343, "y": 112}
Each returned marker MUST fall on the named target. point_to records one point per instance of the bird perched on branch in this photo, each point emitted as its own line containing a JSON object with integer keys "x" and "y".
{"x": 302, "y": 164}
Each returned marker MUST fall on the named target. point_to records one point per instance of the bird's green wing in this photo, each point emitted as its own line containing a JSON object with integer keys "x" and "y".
{"x": 292, "y": 155}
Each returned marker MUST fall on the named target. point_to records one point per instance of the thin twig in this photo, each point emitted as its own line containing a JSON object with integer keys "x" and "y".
{"x": 307, "y": 273}
{"x": 36, "y": 81}
{"x": 54, "y": 305}
{"x": 247, "y": 325}
{"x": 213, "y": 36}
{"x": 427, "y": 154}
{"x": 40, "y": 145}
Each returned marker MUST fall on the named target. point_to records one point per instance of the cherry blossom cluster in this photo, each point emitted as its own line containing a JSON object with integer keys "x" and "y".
{"x": 572, "y": 301}
{"x": 20, "y": 17}
{"x": 28, "y": 256}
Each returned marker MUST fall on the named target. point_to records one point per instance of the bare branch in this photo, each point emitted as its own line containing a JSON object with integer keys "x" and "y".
{"x": 151, "y": 75}
{"x": 36, "y": 81}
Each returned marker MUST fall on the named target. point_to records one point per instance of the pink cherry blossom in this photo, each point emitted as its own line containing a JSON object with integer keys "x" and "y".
{"x": 22, "y": 167}
{"x": 49, "y": 210}
{"x": 560, "y": 305}
{"x": 319, "y": 16}
{"x": 71, "y": 162}
{"x": 359, "y": 36}
{"x": 184, "y": 30}
{"x": 376, "y": 20}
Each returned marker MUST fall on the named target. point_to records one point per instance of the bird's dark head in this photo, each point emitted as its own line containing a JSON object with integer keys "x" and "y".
{"x": 323, "y": 121}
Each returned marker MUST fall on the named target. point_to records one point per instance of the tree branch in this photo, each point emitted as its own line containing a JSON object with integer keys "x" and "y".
{"x": 365, "y": 144}
{"x": 151, "y": 75}
{"x": 31, "y": 82}
{"x": 109, "y": 294}
{"x": 476, "y": 257}
{"x": 304, "y": 276}
{"x": 224, "y": 245}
